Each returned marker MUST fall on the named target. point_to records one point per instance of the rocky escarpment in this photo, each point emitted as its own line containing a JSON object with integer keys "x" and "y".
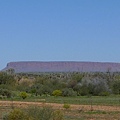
{"x": 63, "y": 66}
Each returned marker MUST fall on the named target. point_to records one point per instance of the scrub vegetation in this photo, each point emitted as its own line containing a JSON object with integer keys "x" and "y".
{"x": 71, "y": 88}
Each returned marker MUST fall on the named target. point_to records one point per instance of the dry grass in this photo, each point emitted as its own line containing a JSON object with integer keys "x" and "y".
{"x": 76, "y": 112}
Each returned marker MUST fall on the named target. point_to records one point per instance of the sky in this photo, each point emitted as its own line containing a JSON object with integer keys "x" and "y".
{"x": 59, "y": 30}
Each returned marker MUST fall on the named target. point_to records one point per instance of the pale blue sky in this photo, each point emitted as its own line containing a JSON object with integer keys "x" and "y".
{"x": 59, "y": 30}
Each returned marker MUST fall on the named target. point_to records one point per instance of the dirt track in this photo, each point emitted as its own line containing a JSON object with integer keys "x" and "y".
{"x": 60, "y": 106}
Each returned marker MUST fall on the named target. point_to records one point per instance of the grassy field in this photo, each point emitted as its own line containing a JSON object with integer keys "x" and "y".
{"x": 82, "y": 100}
{"x": 95, "y": 100}
{"x": 102, "y": 106}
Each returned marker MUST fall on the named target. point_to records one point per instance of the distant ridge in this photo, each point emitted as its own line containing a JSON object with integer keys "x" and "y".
{"x": 63, "y": 66}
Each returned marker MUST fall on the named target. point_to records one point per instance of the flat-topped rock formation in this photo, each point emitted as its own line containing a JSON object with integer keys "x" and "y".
{"x": 63, "y": 66}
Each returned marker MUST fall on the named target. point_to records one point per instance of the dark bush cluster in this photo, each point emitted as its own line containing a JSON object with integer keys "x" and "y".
{"x": 5, "y": 92}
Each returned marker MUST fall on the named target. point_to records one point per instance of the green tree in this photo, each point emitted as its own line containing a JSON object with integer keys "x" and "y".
{"x": 6, "y": 78}
{"x": 10, "y": 71}
{"x": 116, "y": 87}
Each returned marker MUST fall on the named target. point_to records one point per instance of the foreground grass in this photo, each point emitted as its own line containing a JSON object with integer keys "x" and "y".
{"x": 72, "y": 114}
{"x": 94, "y": 115}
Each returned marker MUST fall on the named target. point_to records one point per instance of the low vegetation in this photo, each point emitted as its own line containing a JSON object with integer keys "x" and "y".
{"x": 34, "y": 113}
{"x": 23, "y": 95}
{"x": 66, "y": 106}
{"x": 66, "y": 88}
{"x": 60, "y": 84}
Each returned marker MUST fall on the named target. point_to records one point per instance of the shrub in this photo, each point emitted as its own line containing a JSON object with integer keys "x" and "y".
{"x": 1, "y": 97}
{"x": 57, "y": 115}
{"x": 23, "y": 95}
{"x": 104, "y": 94}
{"x": 68, "y": 92}
{"x": 66, "y": 106}
{"x": 5, "y": 92}
{"x": 16, "y": 114}
{"x": 34, "y": 113}
{"x": 57, "y": 93}
{"x": 5, "y": 116}
{"x": 93, "y": 85}
{"x": 38, "y": 113}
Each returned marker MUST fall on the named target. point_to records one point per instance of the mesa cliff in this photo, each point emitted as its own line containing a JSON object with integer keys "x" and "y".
{"x": 64, "y": 66}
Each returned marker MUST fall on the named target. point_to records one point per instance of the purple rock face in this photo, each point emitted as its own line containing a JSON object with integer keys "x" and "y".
{"x": 63, "y": 67}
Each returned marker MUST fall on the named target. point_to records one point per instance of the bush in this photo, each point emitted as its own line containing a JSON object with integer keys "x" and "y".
{"x": 23, "y": 95}
{"x": 66, "y": 106}
{"x": 57, "y": 93}
{"x": 93, "y": 85}
{"x": 38, "y": 113}
{"x": 57, "y": 115}
{"x": 5, "y": 116}
{"x": 104, "y": 94}
{"x": 16, "y": 114}
{"x": 68, "y": 92}
{"x": 34, "y": 113}
{"x": 5, "y": 92}
{"x": 45, "y": 113}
